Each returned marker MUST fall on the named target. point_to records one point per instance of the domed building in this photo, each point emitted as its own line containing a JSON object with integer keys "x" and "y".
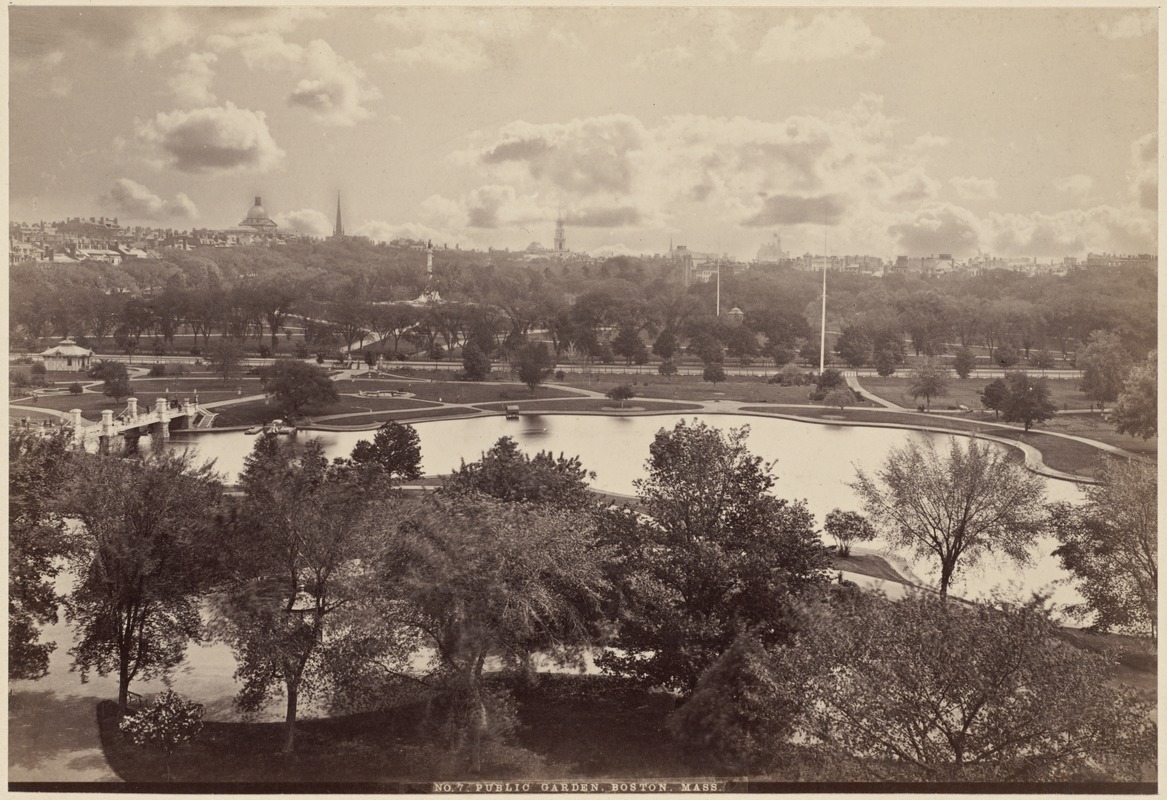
{"x": 257, "y": 221}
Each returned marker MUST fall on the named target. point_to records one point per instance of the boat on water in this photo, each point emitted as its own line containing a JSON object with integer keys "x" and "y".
{"x": 276, "y": 426}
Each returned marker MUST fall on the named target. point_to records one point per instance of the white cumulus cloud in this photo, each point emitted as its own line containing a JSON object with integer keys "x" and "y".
{"x": 334, "y": 89}
{"x": 212, "y": 139}
{"x": 192, "y": 83}
{"x": 132, "y": 199}
{"x": 381, "y": 231}
{"x": 826, "y": 36}
{"x": 306, "y": 221}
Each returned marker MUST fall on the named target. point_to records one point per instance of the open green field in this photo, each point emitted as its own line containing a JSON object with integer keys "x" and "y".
{"x": 1062, "y": 454}
{"x": 454, "y": 391}
{"x": 384, "y": 416}
{"x": 742, "y": 389}
{"x": 1064, "y": 393}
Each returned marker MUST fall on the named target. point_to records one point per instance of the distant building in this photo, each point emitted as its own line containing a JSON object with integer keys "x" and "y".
{"x": 1116, "y": 260}
{"x": 771, "y": 252}
{"x": 257, "y": 222}
{"x": 560, "y": 237}
{"x": 68, "y": 356}
{"x": 682, "y": 259}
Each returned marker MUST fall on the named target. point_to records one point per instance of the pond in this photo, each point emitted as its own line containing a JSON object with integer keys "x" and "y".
{"x": 812, "y": 462}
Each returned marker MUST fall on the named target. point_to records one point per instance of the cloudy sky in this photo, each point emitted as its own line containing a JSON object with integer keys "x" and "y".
{"x": 1027, "y": 132}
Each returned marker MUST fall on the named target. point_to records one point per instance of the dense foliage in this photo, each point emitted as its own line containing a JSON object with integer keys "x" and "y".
{"x": 929, "y": 689}
{"x": 145, "y": 555}
{"x": 956, "y": 507}
{"x": 506, "y": 473}
{"x": 37, "y": 541}
{"x": 1111, "y": 544}
{"x": 710, "y": 552}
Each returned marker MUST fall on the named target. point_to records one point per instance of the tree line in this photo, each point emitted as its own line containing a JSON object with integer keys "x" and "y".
{"x": 622, "y": 308}
{"x": 328, "y": 582}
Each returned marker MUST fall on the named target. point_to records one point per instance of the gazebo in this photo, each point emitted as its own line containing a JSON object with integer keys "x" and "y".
{"x": 68, "y": 356}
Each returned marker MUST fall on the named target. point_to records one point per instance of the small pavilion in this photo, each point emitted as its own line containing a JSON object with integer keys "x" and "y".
{"x": 68, "y": 356}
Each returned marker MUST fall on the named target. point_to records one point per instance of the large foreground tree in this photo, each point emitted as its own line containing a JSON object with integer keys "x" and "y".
{"x": 923, "y": 689}
{"x": 37, "y": 539}
{"x": 708, "y": 553}
{"x": 955, "y": 507}
{"x": 146, "y": 552}
{"x": 297, "y": 553}
{"x": 471, "y": 578}
{"x": 1111, "y": 544}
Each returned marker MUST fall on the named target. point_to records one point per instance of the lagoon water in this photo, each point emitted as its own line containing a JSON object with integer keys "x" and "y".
{"x": 812, "y": 462}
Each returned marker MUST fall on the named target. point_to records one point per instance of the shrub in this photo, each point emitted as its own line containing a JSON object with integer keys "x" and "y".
{"x": 39, "y": 368}
{"x": 301, "y": 349}
{"x": 75, "y": 388}
{"x": 742, "y": 711}
{"x": 264, "y": 351}
{"x": 840, "y": 397}
{"x": 166, "y": 724}
{"x": 790, "y": 375}
{"x": 194, "y": 351}
{"x": 560, "y": 375}
{"x": 158, "y": 371}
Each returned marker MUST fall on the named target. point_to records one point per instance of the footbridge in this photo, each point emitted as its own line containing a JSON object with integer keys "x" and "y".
{"x": 134, "y": 421}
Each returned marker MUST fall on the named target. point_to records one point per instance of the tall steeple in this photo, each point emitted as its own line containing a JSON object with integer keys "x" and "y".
{"x": 339, "y": 231}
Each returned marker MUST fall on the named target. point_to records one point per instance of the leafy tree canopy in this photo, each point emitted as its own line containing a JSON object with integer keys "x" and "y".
{"x": 926, "y": 689}
{"x": 1111, "y": 544}
{"x": 297, "y": 386}
{"x": 711, "y": 552}
{"x": 507, "y": 473}
{"x": 954, "y": 507}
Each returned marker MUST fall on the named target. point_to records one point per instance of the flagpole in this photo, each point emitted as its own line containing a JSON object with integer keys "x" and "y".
{"x": 823, "y": 339}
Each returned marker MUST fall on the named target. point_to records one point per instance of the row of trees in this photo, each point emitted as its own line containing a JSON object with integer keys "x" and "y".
{"x": 351, "y": 290}
{"x": 327, "y": 582}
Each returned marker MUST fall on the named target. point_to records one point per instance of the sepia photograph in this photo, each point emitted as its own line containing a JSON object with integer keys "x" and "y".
{"x": 521, "y": 399}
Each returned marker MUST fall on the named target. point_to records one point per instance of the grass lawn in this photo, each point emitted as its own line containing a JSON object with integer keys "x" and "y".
{"x": 1064, "y": 393}
{"x": 454, "y": 391}
{"x": 591, "y": 404}
{"x": 16, "y": 417}
{"x": 867, "y": 564}
{"x": 581, "y": 726}
{"x": 1066, "y": 455}
{"x": 425, "y": 413}
{"x": 742, "y": 389}
{"x": 257, "y": 411}
{"x": 1095, "y": 426}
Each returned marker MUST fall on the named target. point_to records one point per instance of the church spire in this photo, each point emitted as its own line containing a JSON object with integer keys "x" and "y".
{"x": 339, "y": 232}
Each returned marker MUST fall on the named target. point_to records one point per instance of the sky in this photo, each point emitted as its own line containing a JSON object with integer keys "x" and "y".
{"x": 880, "y": 131}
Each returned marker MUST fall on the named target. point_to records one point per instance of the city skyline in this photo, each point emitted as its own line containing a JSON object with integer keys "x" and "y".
{"x": 1029, "y": 132}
